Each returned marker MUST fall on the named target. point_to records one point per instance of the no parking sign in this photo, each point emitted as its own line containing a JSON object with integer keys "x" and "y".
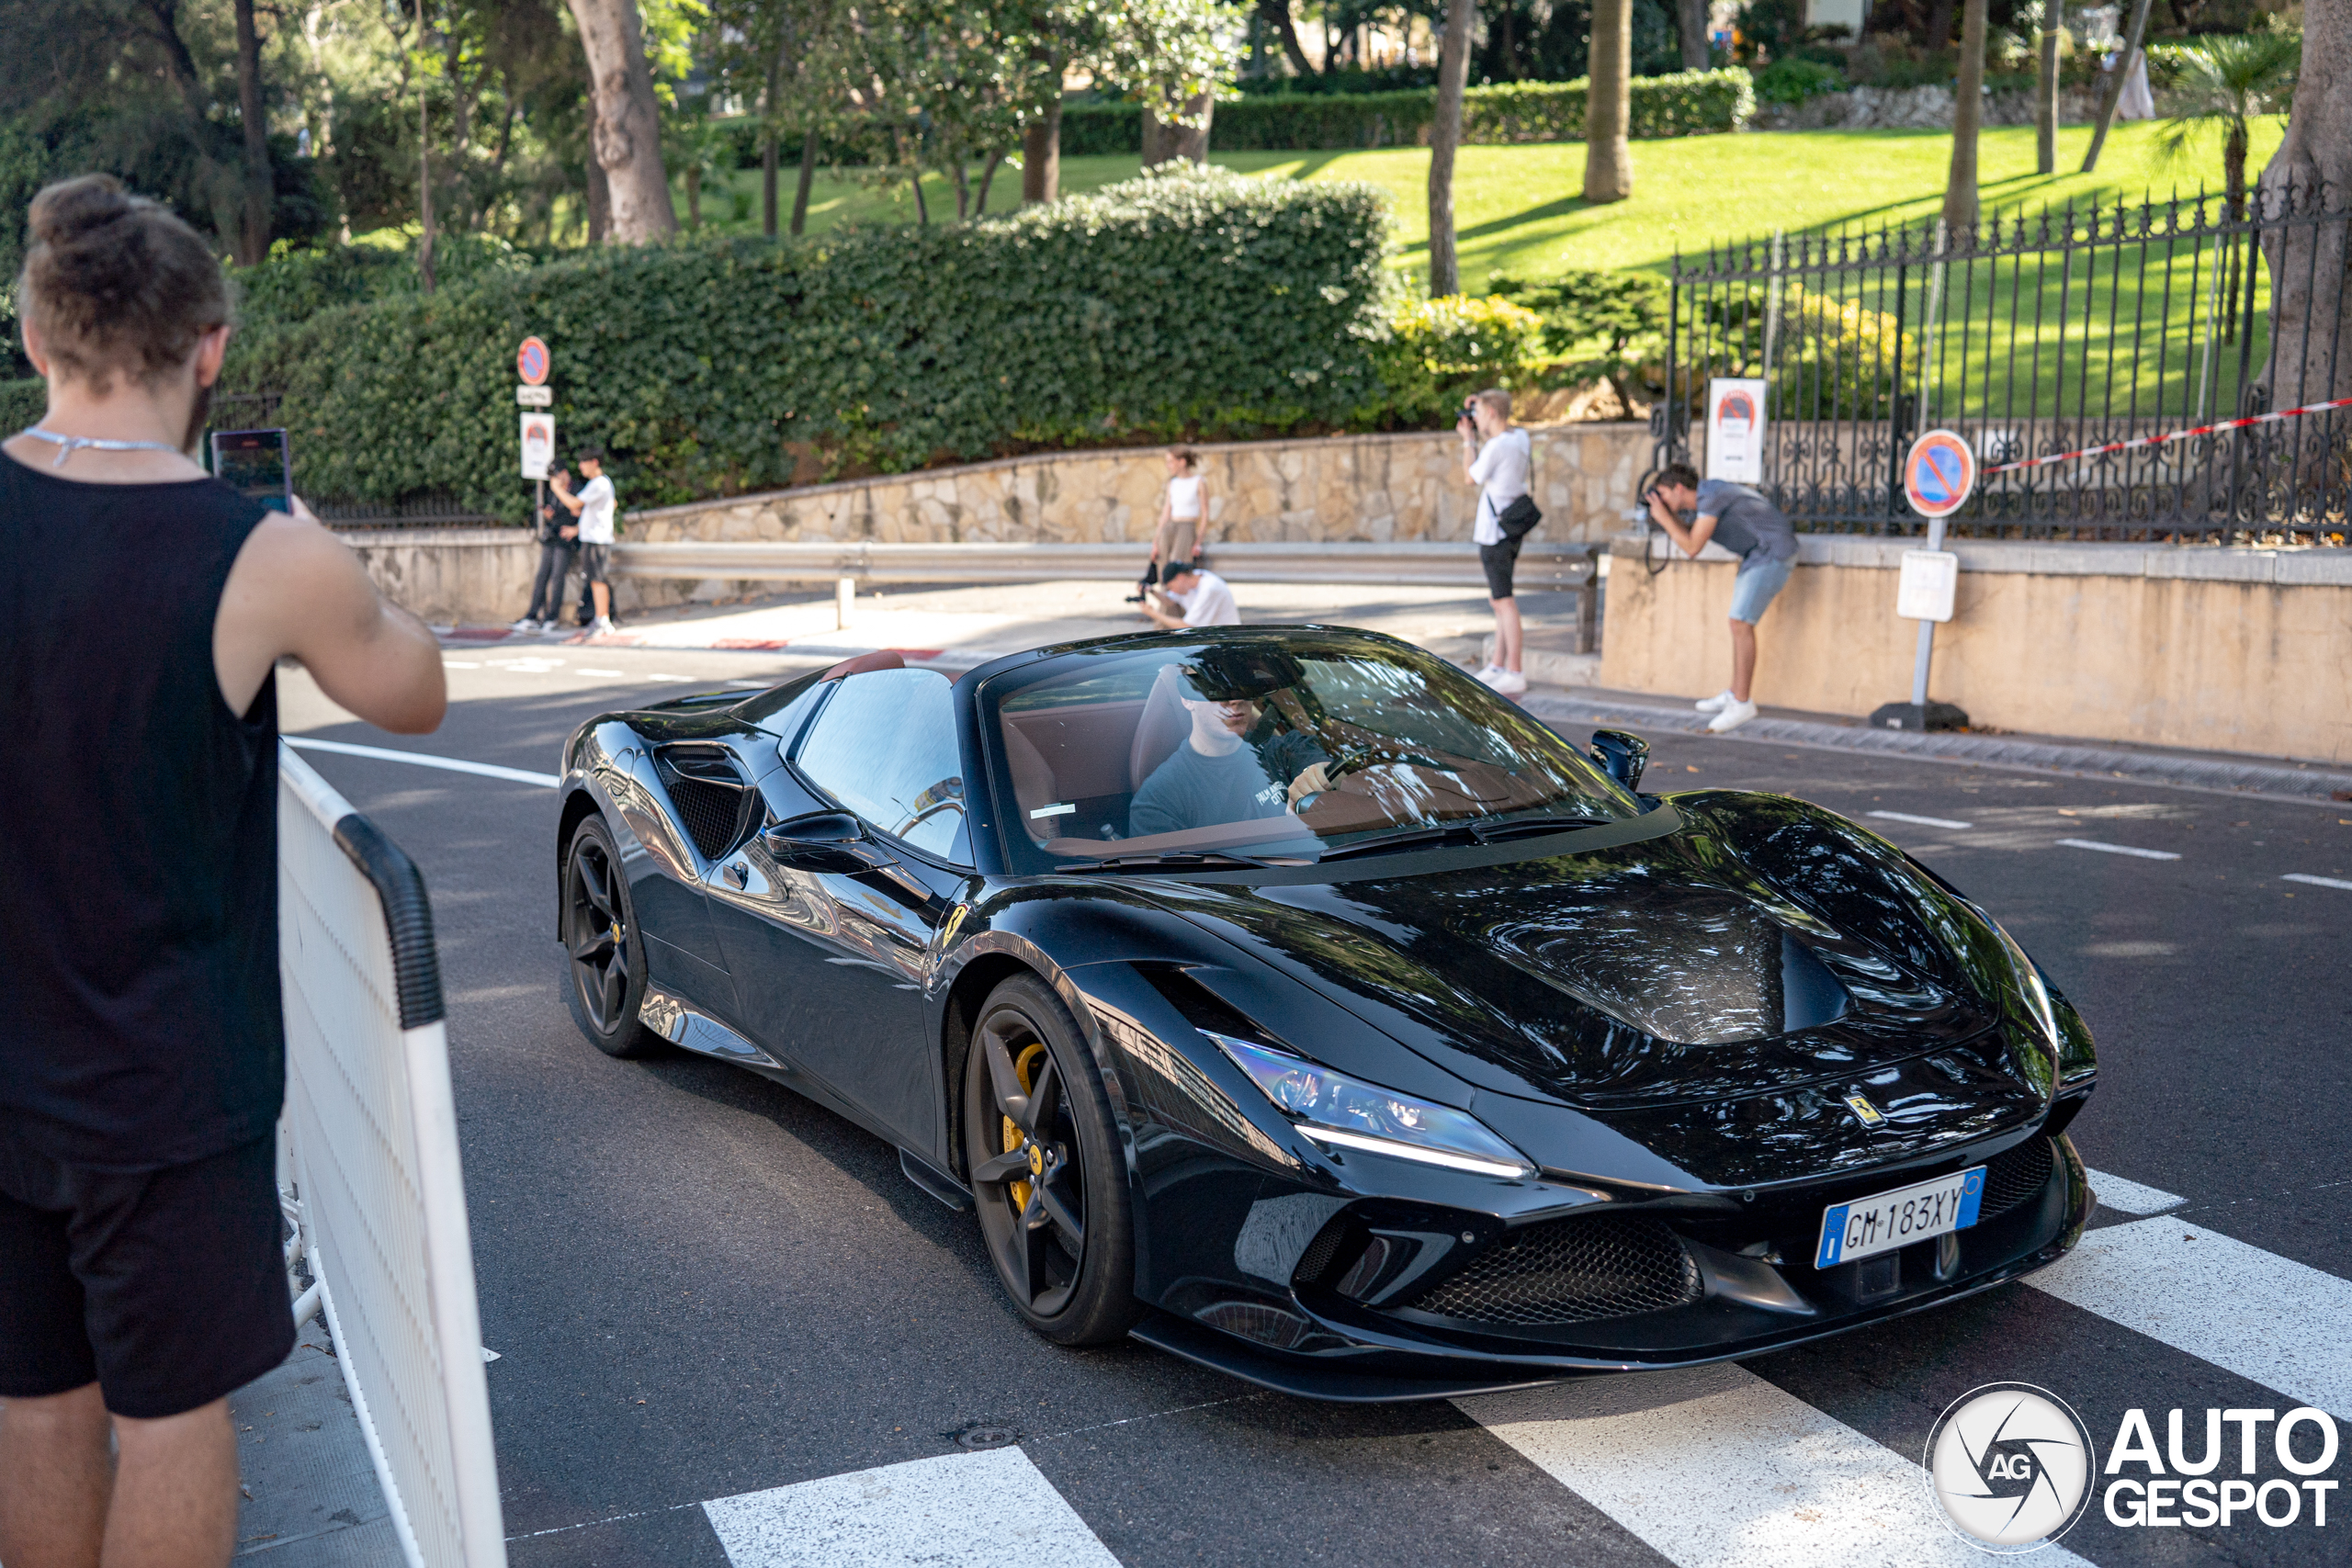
{"x": 1939, "y": 475}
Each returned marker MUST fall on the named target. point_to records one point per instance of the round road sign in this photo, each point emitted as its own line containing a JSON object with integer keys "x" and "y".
{"x": 531, "y": 362}
{"x": 1940, "y": 474}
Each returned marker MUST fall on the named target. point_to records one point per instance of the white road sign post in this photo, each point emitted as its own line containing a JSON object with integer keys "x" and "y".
{"x": 1939, "y": 476}
{"x": 1736, "y": 429}
{"x": 538, "y": 445}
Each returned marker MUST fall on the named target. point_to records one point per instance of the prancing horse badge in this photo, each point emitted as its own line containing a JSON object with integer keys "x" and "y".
{"x": 1869, "y": 1115}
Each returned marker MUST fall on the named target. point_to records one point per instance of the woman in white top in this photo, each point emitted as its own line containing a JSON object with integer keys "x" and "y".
{"x": 1495, "y": 458}
{"x": 1183, "y": 511}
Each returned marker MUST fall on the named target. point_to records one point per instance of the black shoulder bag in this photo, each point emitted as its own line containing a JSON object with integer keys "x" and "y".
{"x": 1519, "y": 519}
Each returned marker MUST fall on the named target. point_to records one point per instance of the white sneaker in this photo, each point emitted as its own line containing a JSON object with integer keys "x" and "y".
{"x": 1731, "y": 717}
{"x": 1717, "y": 703}
{"x": 525, "y": 624}
{"x": 604, "y": 623}
{"x": 1488, "y": 674}
{"x": 1508, "y": 682}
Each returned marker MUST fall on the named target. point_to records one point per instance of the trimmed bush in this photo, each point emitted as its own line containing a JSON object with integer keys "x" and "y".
{"x": 1485, "y": 336}
{"x": 1792, "y": 81}
{"x": 1689, "y": 103}
{"x": 1200, "y": 304}
{"x": 22, "y": 402}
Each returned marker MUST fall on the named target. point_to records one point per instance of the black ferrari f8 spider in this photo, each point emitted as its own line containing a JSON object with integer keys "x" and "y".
{"x": 1286, "y": 999}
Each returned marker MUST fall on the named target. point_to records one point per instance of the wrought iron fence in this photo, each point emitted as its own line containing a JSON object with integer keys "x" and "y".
{"x": 2033, "y": 336}
{"x": 425, "y": 509}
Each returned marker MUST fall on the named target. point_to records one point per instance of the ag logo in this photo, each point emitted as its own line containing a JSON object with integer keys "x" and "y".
{"x": 2011, "y": 1466}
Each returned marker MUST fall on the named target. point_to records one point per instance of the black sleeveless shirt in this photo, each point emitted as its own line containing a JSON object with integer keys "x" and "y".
{"x": 138, "y": 831}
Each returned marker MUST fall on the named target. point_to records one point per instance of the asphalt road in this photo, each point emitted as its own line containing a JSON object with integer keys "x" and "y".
{"x": 702, "y": 1287}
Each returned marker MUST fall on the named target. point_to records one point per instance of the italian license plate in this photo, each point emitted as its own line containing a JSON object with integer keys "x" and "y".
{"x": 1888, "y": 1220}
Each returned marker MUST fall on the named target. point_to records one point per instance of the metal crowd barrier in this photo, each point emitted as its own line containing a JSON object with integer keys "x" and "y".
{"x": 1543, "y": 567}
{"x": 369, "y": 1174}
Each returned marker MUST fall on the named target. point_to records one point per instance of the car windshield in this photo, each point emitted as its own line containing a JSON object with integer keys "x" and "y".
{"x": 1290, "y": 745}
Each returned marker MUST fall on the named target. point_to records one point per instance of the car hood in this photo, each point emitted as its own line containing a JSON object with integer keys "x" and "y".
{"x": 1763, "y": 945}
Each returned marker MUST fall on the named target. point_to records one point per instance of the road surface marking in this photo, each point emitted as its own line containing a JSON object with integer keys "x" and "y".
{"x": 418, "y": 759}
{"x": 1922, "y": 821}
{"x": 1715, "y": 1467}
{"x": 2267, "y": 1318}
{"x": 2130, "y": 1197}
{"x": 983, "y": 1510}
{"x": 461, "y": 664}
{"x": 2318, "y": 881}
{"x": 606, "y": 674}
{"x": 674, "y": 677}
{"x": 2118, "y": 849}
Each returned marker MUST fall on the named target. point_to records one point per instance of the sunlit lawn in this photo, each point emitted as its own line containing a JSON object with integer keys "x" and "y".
{"x": 1517, "y": 210}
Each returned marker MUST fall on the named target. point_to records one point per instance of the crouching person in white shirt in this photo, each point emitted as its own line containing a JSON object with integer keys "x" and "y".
{"x": 1189, "y": 596}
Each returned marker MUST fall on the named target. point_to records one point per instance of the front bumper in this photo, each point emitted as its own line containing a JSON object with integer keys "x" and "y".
{"x": 1346, "y": 1334}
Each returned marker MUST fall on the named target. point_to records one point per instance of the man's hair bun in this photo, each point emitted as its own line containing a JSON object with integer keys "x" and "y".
{"x": 115, "y": 281}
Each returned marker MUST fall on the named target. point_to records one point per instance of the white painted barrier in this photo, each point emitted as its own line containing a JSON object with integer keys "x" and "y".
{"x": 369, "y": 1163}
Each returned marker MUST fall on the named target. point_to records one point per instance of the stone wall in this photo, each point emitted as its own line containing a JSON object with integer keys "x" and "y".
{"x": 1330, "y": 490}
{"x": 451, "y": 576}
{"x": 1922, "y": 109}
{"x": 2217, "y": 649}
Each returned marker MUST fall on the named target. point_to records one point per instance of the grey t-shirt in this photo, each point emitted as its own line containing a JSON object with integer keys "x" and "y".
{"x": 1192, "y": 790}
{"x": 1745, "y": 524}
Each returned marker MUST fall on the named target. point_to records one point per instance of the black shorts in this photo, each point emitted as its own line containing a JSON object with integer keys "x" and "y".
{"x": 1501, "y": 561}
{"x": 596, "y": 563}
{"x": 167, "y": 1288}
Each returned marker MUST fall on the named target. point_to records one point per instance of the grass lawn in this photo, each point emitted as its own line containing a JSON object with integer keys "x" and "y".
{"x": 1516, "y": 211}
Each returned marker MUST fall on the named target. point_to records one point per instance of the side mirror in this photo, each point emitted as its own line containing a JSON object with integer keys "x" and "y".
{"x": 822, "y": 841}
{"x": 1621, "y": 755}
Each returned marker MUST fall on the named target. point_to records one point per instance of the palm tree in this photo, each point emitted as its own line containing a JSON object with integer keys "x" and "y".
{"x": 2226, "y": 80}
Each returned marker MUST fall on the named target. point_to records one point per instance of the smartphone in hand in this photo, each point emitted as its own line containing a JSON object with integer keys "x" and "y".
{"x": 257, "y": 463}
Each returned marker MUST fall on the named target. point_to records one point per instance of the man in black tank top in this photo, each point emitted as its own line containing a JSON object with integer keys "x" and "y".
{"x": 143, "y": 607}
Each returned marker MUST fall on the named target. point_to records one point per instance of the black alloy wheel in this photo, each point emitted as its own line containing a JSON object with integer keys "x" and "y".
{"x": 604, "y": 961}
{"x": 1047, "y": 1170}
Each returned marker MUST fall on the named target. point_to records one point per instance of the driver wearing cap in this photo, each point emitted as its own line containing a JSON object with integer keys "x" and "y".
{"x": 1220, "y": 774}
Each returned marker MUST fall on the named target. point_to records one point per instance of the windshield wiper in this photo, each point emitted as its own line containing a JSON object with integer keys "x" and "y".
{"x": 1489, "y": 833}
{"x": 1406, "y": 838}
{"x": 1177, "y": 860}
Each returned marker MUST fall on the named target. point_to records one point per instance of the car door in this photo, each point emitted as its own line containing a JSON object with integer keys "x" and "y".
{"x": 829, "y": 917}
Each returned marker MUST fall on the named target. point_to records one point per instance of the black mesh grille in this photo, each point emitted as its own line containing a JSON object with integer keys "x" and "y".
{"x": 1571, "y": 1271}
{"x": 710, "y": 811}
{"x": 1317, "y": 1256}
{"x": 2015, "y": 1177}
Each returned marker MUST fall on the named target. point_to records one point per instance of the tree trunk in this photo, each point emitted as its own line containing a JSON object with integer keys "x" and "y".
{"x": 2045, "y": 91}
{"x": 1608, "y": 105}
{"x": 987, "y": 178}
{"x": 694, "y": 197}
{"x": 1158, "y": 142}
{"x": 768, "y": 150}
{"x": 1277, "y": 16}
{"x": 1938, "y": 30}
{"x": 1445, "y": 136}
{"x": 1193, "y": 140}
{"x": 253, "y": 244}
{"x": 1967, "y": 114}
{"x": 1041, "y": 156}
{"x": 628, "y": 134}
{"x": 808, "y": 177}
{"x": 1691, "y": 17}
{"x": 2310, "y": 265}
{"x": 600, "y": 203}
{"x": 2114, "y": 88}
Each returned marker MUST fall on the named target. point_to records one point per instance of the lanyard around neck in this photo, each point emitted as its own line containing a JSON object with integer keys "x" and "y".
{"x": 68, "y": 444}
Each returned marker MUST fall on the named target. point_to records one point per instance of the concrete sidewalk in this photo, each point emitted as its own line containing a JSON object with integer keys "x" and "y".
{"x": 310, "y": 1494}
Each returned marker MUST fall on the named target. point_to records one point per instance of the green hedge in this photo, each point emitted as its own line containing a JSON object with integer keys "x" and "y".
{"x": 1204, "y": 304}
{"x": 22, "y": 402}
{"x": 1690, "y": 103}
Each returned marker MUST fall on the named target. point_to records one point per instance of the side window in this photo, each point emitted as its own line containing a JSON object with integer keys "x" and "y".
{"x": 884, "y": 747}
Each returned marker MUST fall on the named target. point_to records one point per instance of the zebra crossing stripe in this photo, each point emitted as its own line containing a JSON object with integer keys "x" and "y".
{"x": 1714, "y": 1467}
{"x": 2267, "y": 1318}
{"x": 2130, "y": 1197}
{"x": 979, "y": 1510}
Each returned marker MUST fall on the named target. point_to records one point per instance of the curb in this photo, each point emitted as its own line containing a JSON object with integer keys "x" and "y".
{"x": 2310, "y": 785}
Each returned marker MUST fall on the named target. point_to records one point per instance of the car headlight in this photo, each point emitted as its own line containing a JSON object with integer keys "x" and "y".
{"x": 2029, "y": 986}
{"x": 1339, "y": 1111}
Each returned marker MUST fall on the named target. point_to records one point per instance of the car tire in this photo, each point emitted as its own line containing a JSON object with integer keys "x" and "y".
{"x": 1052, "y": 1194}
{"x": 604, "y": 962}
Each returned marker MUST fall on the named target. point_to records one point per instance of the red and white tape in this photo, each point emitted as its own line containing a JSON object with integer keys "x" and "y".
{"x": 2136, "y": 444}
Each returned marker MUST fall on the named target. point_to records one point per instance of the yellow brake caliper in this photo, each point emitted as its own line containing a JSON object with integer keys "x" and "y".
{"x": 1025, "y": 1068}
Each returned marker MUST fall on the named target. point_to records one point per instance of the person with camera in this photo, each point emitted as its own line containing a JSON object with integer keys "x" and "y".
{"x": 1742, "y": 521}
{"x": 558, "y": 547}
{"x": 1496, "y": 457}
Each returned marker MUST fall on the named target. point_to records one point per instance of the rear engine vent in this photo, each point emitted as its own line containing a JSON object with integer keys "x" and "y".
{"x": 710, "y": 797}
{"x": 2016, "y": 1178}
{"x": 1571, "y": 1270}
